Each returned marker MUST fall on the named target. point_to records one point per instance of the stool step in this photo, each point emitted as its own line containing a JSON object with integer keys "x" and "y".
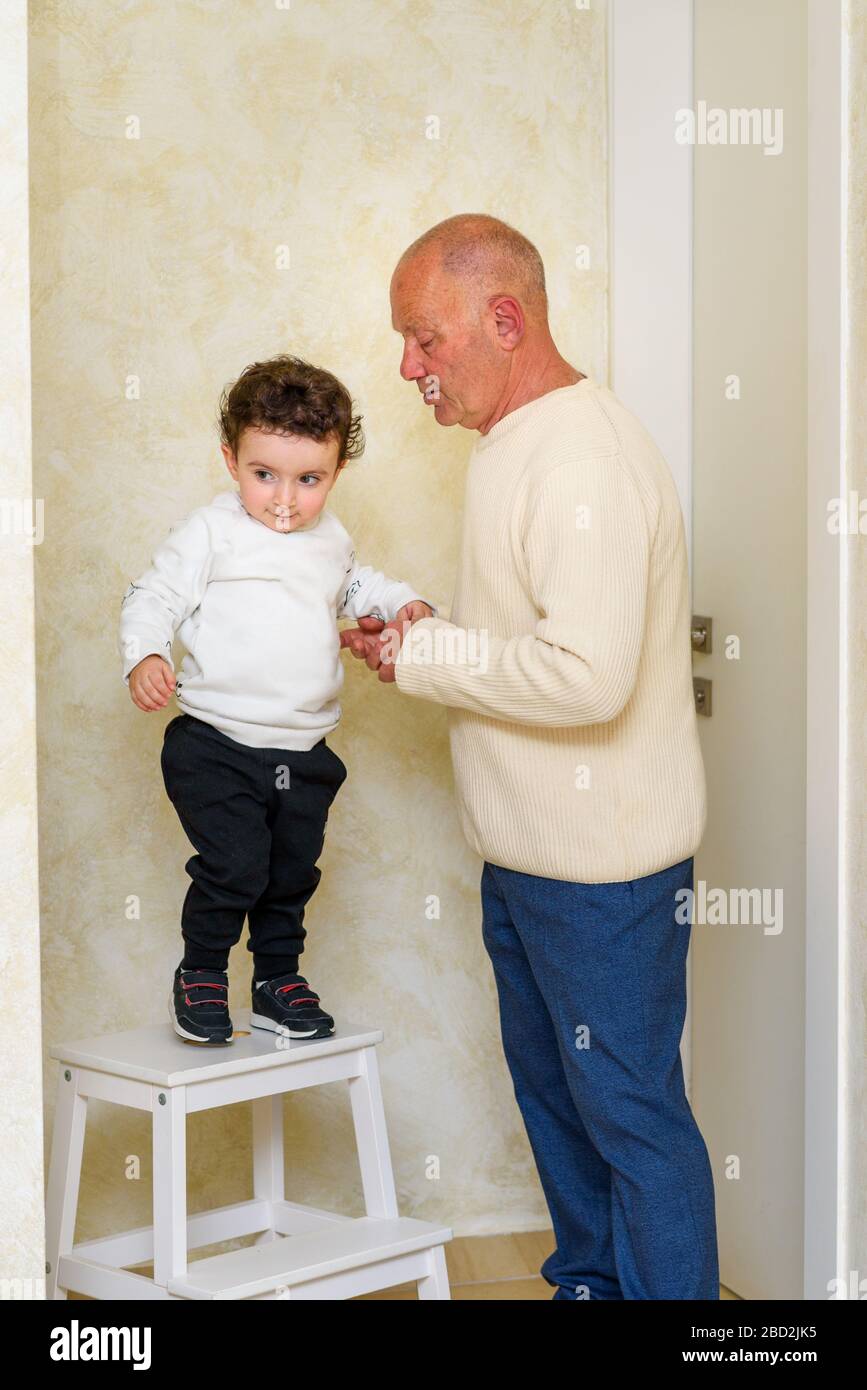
{"x": 292, "y": 1260}
{"x": 155, "y": 1053}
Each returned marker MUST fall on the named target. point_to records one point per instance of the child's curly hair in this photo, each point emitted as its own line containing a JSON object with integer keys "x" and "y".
{"x": 286, "y": 395}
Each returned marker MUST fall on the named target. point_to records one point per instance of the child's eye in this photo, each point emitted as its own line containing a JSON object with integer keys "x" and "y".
{"x": 310, "y": 475}
{"x": 262, "y": 473}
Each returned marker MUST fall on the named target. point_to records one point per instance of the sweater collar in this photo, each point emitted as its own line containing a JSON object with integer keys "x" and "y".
{"x": 526, "y": 412}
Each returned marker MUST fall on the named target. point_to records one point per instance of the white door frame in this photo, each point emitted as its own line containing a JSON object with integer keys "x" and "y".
{"x": 650, "y": 249}
{"x": 650, "y": 236}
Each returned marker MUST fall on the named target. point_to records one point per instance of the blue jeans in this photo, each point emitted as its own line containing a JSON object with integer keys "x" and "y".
{"x": 591, "y": 979}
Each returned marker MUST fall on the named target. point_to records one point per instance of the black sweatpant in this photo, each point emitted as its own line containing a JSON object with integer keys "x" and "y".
{"x": 257, "y": 818}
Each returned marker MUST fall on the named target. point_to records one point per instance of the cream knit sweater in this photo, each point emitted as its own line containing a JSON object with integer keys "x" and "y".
{"x": 566, "y": 659}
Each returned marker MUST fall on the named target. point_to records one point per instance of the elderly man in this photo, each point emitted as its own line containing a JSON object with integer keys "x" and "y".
{"x": 565, "y": 666}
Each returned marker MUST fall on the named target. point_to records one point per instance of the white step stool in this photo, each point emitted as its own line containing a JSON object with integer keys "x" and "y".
{"x": 301, "y": 1252}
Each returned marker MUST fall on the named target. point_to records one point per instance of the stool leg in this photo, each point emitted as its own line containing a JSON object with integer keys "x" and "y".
{"x": 170, "y": 1182}
{"x": 64, "y": 1174}
{"x": 268, "y": 1170}
{"x": 371, "y": 1137}
{"x": 435, "y": 1284}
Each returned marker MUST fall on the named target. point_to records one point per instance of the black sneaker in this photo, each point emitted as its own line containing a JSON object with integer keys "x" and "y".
{"x": 199, "y": 1006}
{"x": 288, "y": 1005}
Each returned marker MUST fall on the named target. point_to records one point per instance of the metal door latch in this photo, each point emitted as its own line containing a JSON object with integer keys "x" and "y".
{"x": 702, "y": 634}
{"x": 701, "y": 690}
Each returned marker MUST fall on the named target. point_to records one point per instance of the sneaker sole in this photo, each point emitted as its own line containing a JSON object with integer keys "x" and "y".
{"x": 261, "y": 1021}
{"x": 192, "y": 1037}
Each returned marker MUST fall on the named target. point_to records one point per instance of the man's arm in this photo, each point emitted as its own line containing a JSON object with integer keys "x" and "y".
{"x": 589, "y": 584}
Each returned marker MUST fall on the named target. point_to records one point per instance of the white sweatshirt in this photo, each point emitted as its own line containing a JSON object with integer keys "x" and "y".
{"x": 257, "y": 612}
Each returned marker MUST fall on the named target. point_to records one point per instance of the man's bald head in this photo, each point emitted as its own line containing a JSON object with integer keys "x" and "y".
{"x": 486, "y": 257}
{"x": 468, "y": 298}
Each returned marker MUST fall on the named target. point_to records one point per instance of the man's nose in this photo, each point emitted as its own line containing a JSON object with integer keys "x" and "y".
{"x": 410, "y": 365}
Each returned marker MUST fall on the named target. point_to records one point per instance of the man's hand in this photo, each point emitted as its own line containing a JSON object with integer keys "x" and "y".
{"x": 361, "y": 639}
{"x": 378, "y": 642}
{"x": 151, "y": 683}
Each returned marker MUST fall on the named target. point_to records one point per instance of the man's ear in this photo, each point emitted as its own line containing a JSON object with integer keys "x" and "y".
{"x": 509, "y": 321}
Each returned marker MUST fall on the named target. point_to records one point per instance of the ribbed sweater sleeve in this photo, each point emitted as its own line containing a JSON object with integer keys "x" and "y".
{"x": 586, "y": 549}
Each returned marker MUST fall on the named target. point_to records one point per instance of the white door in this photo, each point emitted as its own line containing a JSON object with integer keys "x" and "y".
{"x": 709, "y": 279}
{"x": 749, "y": 500}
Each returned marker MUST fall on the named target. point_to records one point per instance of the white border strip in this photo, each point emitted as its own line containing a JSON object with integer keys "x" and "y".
{"x": 825, "y": 1194}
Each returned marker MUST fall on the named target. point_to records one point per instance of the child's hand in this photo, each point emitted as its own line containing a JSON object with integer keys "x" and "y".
{"x": 151, "y": 683}
{"x": 411, "y": 612}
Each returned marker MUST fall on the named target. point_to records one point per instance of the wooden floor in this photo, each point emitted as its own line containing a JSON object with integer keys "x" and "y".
{"x": 481, "y": 1269}
{"x": 484, "y": 1268}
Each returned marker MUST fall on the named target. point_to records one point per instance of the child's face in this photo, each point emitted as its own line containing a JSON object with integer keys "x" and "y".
{"x": 284, "y": 480}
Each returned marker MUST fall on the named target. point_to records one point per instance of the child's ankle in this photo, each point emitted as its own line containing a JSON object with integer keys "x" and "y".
{"x": 261, "y": 977}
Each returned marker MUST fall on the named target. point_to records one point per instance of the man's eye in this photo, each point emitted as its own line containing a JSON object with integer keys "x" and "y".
{"x": 425, "y": 346}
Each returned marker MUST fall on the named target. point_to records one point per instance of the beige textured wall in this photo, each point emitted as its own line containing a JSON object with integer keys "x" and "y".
{"x": 154, "y": 259}
{"x": 855, "y": 1060}
{"x": 22, "y": 1250}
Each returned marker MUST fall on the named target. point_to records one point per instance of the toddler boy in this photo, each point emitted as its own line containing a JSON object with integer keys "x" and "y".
{"x": 253, "y": 583}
